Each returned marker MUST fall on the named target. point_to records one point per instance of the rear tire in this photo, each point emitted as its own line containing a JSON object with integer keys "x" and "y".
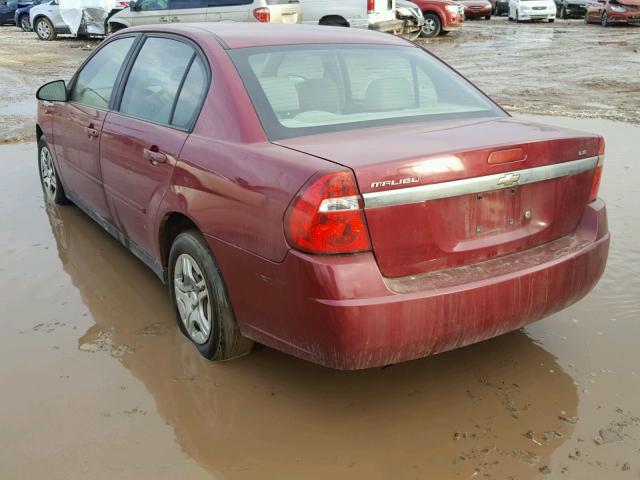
{"x": 202, "y": 308}
{"x": 49, "y": 178}
{"x": 44, "y": 29}
{"x": 24, "y": 23}
{"x": 432, "y": 26}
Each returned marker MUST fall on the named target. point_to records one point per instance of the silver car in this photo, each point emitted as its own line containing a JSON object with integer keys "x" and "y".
{"x": 144, "y": 12}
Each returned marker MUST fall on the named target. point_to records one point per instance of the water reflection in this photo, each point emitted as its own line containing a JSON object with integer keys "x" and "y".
{"x": 269, "y": 415}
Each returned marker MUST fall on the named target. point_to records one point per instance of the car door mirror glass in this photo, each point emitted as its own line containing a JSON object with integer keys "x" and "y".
{"x": 53, "y": 91}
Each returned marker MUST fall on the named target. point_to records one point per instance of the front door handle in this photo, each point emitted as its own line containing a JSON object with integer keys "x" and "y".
{"x": 48, "y": 106}
{"x": 91, "y": 131}
{"x": 175, "y": 19}
{"x": 154, "y": 156}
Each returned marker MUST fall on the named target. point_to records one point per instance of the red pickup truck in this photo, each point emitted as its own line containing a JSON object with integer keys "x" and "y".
{"x": 440, "y": 16}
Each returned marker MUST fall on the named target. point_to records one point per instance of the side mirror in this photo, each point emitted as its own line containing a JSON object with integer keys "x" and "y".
{"x": 53, "y": 92}
{"x": 133, "y": 5}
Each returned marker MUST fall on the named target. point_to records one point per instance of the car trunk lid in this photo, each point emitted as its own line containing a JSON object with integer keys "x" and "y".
{"x": 435, "y": 196}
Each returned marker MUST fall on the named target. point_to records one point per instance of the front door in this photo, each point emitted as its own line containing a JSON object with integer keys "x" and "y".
{"x": 149, "y": 12}
{"x": 141, "y": 141}
{"x": 78, "y": 124}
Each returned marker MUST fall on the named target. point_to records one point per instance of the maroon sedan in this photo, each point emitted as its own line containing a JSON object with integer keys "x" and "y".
{"x": 338, "y": 194}
{"x": 477, "y": 8}
{"x": 613, "y": 12}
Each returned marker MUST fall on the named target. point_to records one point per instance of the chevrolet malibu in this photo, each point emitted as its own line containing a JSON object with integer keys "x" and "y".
{"x": 338, "y": 194}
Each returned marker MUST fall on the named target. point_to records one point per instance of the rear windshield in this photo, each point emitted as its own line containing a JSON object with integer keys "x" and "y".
{"x": 308, "y": 89}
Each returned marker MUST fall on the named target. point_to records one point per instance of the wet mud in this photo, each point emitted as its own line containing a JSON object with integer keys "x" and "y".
{"x": 97, "y": 382}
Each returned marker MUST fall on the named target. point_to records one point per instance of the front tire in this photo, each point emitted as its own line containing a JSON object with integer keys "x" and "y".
{"x": 432, "y": 26}
{"x": 44, "y": 29}
{"x": 49, "y": 178}
{"x": 202, "y": 307}
{"x": 563, "y": 13}
{"x": 605, "y": 19}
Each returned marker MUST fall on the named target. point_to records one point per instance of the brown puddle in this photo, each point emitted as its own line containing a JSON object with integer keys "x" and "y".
{"x": 96, "y": 381}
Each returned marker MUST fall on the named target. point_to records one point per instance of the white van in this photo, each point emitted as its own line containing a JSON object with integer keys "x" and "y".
{"x": 145, "y": 12}
{"x": 374, "y": 14}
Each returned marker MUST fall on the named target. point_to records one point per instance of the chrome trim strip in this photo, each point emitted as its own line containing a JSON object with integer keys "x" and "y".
{"x": 486, "y": 183}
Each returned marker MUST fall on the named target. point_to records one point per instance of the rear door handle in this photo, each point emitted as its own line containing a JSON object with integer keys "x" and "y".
{"x": 91, "y": 131}
{"x": 154, "y": 156}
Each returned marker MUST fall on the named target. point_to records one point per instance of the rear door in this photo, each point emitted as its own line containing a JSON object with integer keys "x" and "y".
{"x": 230, "y": 10}
{"x": 182, "y": 11}
{"x": 77, "y": 126}
{"x": 156, "y": 110}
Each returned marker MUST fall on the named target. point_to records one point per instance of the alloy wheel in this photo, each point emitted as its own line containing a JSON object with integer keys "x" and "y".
{"x": 192, "y": 298}
{"x": 429, "y": 26}
{"x": 48, "y": 174}
{"x": 43, "y": 29}
{"x": 24, "y": 23}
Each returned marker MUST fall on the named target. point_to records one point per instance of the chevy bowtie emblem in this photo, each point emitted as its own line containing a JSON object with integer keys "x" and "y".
{"x": 509, "y": 179}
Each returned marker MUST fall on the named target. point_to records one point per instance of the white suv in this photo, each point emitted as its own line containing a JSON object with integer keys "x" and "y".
{"x": 375, "y": 14}
{"x": 145, "y": 12}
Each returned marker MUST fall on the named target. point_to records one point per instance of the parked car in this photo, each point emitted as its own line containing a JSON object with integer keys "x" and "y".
{"x": 146, "y": 12}
{"x": 411, "y": 17}
{"x": 21, "y": 16}
{"x": 500, "y": 7}
{"x": 440, "y": 16}
{"x": 338, "y": 194}
{"x": 8, "y": 9}
{"x": 571, "y": 8}
{"x": 613, "y": 12}
{"x": 374, "y": 14}
{"x": 48, "y": 23}
{"x": 523, "y": 10}
{"x": 477, "y": 8}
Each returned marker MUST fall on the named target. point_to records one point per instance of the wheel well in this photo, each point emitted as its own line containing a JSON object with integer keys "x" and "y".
{"x": 433, "y": 12}
{"x": 333, "y": 20}
{"x": 38, "y": 17}
{"x": 171, "y": 226}
{"x": 39, "y": 133}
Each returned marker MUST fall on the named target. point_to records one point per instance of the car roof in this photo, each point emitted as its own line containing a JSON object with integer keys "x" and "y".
{"x": 233, "y": 35}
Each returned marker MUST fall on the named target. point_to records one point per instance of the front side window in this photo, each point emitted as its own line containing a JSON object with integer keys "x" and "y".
{"x": 165, "y": 71}
{"x": 302, "y": 90}
{"x": 95, "y": 82}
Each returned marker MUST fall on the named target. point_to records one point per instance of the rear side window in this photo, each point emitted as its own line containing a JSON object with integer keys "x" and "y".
{"x": 94, "y": 84}
{"x": 188, "y": 104}
{"x": 165, "y": 71}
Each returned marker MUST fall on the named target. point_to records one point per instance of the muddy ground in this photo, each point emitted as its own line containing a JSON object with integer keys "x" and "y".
{"x": 97, "y": 383}
{"x": 565, "y": 68}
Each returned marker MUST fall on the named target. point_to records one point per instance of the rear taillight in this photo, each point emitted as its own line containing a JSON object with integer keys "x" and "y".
{"x": 371, "y": 6}
{"x": 595, "y": 186}
{"x": 327, "y": 216}
{"x": 262, "y": 14}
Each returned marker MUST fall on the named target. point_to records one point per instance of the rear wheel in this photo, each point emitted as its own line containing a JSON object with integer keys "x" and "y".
{"x": 432, "y": 26}
{"x": 551, "y": 20}
{"x": 202, "y": 307}
{"x": 44, "y": 29}
{"x": 49, "y": 179}
{"x": 334, "y": 22}
{"x": 24, "y": 23}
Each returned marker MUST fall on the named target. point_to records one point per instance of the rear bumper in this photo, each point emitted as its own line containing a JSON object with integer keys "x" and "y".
{"x": 394, "y": 25}
{"x": 340, "y": 312}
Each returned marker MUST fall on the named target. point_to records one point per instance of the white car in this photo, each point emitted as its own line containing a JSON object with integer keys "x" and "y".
{"x": 374, "y": 14}
{"x": 47, "y": 21}
{"x": 522, "y": 10}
